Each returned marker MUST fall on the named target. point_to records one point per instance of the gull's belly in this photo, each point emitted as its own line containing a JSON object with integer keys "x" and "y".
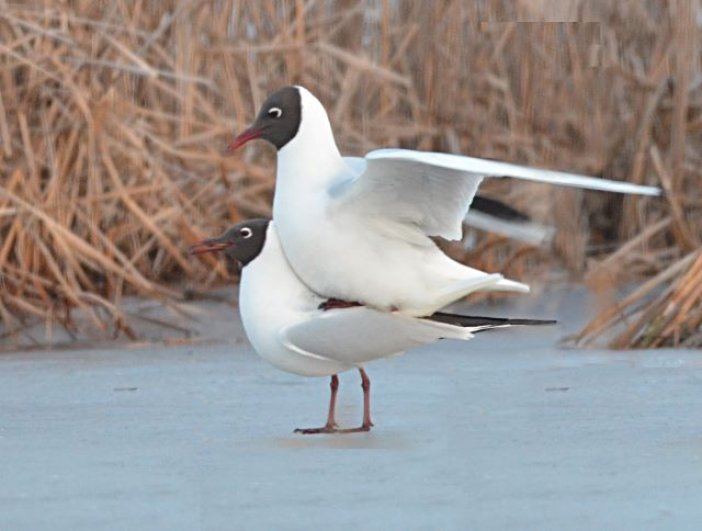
{"x": 271, "y": 298}
{"x": 357, "y": 263}
{"x": 266, "y": 342}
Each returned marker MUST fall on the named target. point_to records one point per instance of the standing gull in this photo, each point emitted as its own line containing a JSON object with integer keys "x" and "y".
{"x": 358, "y": 229}
{"x": 287, "y": 328}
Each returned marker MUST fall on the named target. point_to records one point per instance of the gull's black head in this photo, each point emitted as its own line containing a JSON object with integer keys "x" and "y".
{"x": 242, "y": 242}
{"x": 278, "y": 121}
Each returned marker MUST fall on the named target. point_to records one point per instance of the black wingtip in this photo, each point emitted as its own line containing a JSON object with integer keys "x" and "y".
{"x": 488, "y": 322}
{"x": 498, "y": 209}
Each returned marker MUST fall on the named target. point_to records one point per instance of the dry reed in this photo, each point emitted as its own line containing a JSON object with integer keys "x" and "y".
{"x": 113, "y": 118}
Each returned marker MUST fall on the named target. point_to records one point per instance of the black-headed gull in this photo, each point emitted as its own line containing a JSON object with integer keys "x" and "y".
{"x": 285, "y": 325}
{"x": 358, "y": 229}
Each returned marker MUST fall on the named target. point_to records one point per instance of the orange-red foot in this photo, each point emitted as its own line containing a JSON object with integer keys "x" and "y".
{"x": 332, "y": 304}
{"x": 327, "y": 428}
{"x": 360, "y": 429}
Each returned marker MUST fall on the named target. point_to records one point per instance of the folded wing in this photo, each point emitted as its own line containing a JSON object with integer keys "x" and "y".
{"x": 335, "y": 334}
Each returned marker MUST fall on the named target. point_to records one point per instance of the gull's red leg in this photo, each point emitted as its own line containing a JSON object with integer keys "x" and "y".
{"x": 331, "y": 416}
{"x": 330, "y": 426}
{"x": 367, "y": 423}
{"x": 366, "y": 385}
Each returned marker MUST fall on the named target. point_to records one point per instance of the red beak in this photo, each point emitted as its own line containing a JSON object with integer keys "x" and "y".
{"x": 209, "y": 246}
{"x": 250, "y": 134}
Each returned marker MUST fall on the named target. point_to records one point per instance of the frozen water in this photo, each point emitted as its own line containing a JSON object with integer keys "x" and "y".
{"x": 504, "y": 432}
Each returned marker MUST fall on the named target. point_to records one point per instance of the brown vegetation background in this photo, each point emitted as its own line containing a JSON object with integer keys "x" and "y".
{"x": 114, "y": 117}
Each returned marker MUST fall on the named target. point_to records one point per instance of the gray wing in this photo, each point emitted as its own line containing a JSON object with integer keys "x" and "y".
{"x": 433, "y": 191}
{"x": 359, "y": 335}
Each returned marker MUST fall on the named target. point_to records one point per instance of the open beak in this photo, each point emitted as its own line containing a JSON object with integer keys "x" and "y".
{"x": 249, "y": 134}
{"x": 213, "y": 245}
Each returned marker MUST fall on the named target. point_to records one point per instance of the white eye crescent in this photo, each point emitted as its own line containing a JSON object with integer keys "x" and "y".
{"x": 275, "y": 112}
{"x": 246, "y": 233}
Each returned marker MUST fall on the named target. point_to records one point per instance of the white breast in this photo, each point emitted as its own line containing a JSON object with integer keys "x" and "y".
{"x": 287, "y": 329}
{"x": 271, "y": 299}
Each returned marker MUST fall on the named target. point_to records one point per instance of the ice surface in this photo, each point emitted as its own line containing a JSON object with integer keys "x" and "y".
{"x": 504, "y": 432}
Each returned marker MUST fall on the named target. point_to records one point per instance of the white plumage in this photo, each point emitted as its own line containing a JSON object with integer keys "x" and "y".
{"x": 284, "y": 324}
{"x": 359, "y": 229}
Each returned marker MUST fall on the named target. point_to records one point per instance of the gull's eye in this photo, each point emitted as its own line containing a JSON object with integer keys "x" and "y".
{"x": 275, "y": 112}
{"x": 246, "y": 233}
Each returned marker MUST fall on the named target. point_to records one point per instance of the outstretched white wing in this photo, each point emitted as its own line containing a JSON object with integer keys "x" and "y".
{"x": 359, "y": 335}
{"x": 433, "y": 191}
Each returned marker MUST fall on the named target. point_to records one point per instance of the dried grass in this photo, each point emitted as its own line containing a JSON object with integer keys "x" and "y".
{"x": 114, "y": 115}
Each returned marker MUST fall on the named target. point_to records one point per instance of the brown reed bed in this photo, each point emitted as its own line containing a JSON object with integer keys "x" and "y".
{"x": 114, "y": 115}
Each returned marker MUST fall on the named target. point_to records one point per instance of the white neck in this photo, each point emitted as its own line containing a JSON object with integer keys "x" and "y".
{"x": 311, "y": 158}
